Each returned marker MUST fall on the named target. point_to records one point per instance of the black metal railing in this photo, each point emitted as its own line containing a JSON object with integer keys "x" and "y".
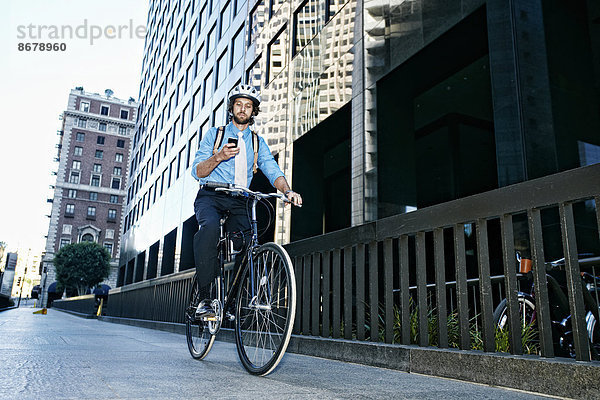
{"x": 389, "y": 279}
{"x": 431, "y": 277}
{"x": 86, "y": 304}
{"x": 160, "y": 299}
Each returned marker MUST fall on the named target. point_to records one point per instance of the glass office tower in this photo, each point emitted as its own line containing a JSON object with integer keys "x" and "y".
{"x": 371, "y": 107}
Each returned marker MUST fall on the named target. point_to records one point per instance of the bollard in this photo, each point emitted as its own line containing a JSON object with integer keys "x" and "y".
{"x": 43, "y": 311}
{"x": 99, "y": 313}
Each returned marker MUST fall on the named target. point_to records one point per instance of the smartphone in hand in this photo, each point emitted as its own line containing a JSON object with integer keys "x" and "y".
{"x": 233, "y": 140}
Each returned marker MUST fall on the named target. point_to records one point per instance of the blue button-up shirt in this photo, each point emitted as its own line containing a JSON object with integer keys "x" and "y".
{"x": 225, "y": 171}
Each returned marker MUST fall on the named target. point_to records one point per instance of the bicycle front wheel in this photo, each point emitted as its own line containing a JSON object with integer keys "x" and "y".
{"x": 266, "y": 307}
{"x": 197, "y": 332}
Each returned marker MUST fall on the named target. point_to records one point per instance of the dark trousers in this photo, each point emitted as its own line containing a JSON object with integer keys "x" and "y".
{"x": 210, "y": 207}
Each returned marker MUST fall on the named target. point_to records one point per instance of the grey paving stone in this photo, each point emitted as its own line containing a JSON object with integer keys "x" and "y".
{"x": 65, "y": 357}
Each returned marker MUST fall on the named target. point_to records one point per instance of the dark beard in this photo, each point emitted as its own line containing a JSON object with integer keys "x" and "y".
{"x": 239, "y": 121}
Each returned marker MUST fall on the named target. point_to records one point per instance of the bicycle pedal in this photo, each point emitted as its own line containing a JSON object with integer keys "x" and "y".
{"x": 210, "y": 319}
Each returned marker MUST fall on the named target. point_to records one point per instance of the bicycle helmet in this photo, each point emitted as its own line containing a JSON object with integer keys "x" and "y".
{"x": 246, "y": 91}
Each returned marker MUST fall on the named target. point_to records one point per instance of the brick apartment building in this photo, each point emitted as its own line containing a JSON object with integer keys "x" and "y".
{"x": 93, "y": 157}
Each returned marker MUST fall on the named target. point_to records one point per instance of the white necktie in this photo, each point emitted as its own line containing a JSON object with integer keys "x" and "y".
{"x": 241, "y": 164}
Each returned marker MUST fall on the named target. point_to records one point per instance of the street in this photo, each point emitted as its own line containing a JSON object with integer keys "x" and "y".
{"x": 66, "y": 357}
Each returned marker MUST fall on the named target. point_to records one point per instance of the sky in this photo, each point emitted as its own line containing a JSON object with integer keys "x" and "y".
{"x": 35, "y": 87}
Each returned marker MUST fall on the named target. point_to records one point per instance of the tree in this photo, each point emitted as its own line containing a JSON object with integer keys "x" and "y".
{"x": 82, "y": 265}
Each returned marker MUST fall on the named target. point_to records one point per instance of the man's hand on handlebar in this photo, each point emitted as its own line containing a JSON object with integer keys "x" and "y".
{"x": 294, "y": 198}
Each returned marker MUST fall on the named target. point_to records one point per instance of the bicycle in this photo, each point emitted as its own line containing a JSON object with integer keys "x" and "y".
{"x": 263, "y": 293}
{"x": 560, "y": 313}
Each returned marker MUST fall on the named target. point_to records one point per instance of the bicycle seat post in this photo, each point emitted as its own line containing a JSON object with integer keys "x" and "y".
{"x": 254, "y": 221}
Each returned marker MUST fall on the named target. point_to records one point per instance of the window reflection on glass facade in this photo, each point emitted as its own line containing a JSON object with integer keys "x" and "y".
{"x": 256, "y": 21}
{"x": 254, "y": 75}
{"x": 322, "y": 73}
{"x": 274, "y": 6}
{"x": 276, "y": 55}
{"x": 308, "y": 19}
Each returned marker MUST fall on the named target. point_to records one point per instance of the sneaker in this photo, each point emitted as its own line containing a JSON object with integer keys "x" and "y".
{"x": 205, "y": 309}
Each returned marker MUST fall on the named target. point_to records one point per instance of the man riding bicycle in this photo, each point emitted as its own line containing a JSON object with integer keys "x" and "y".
{"x": 230, "y": 155}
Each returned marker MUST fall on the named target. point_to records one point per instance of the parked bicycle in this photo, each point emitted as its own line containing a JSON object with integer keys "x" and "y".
{"x": 560, "y": 314}
{"x": 261, "y": 297}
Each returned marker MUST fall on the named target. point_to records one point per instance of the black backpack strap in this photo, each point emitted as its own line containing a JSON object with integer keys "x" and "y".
{"x": 218, "y": 139}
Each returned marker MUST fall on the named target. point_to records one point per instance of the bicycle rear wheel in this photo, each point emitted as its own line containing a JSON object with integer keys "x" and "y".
{"x": 264, "y": 320}
{"x": 197, "y": 332}
{"x": 527, "y": 318}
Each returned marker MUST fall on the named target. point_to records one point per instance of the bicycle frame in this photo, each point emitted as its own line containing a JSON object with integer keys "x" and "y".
{"x": 227, "y": 298}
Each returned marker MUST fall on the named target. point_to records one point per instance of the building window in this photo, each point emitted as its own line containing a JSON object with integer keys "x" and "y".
{"x": 91, "y": 212}
{"x": 117, "y": 171}
{"x": 211, "y": 41}
{"x": 70, "y": 210}
{"x": 222, "y": 68}
{"x": 112, "y": 214}
{"x": 199, "y": 59}
{"x": 102, "y": 126}
{"x": 80, "y": 136}
{"x": 100, "y": 140}
{"x": 97, "y": 168}
{"x": 78, "y": 151}
{"x": 122, "y": 130}
{"x": 93, "y": 196}
{"x": 254, "y": 75}
{"x": 72, "y": 194}
{"x": 208, "y": 88}
{"x": 118, "y": 157}
{"x": 110, "y": 234}
{"x": 275, "y": 55}
{"x": 306, "y": 24}
{"x": 124, "y": 114}
{"x": 114, "y": 199}
{"x": 64, "y": 242}
{"x": 256, "y": 21}
{"x": 74, "y": 178}
{"x": 87, "y": 238}
{"x": 219, "y": 115}
{"x": 237, "y": 47}
{"x": 66, "y": 230}
{"x": 84, "y": 106}
{"x": 121, "y": 144}
{"x": 76, "y": 164}
{"x": 108, "y": 247}
{"x": 95, "y": 180}
{"x": 116, "y": 183}
{"x": 104, "y": 110}
{"x": 225, "y": 18}
{"x": 99, "y": 154}
{"x": 82, "y": 123}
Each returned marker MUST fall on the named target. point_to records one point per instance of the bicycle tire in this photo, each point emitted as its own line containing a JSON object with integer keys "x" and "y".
{"x": 198, "y": 336}
{"x": 527, "y": 316}
{"x": 264, "y": 325}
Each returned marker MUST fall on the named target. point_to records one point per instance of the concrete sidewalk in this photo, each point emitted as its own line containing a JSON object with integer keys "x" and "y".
{"x": 60, "y": 356}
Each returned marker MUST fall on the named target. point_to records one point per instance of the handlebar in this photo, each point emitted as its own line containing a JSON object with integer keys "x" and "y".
{"x": 242, "y": 191}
